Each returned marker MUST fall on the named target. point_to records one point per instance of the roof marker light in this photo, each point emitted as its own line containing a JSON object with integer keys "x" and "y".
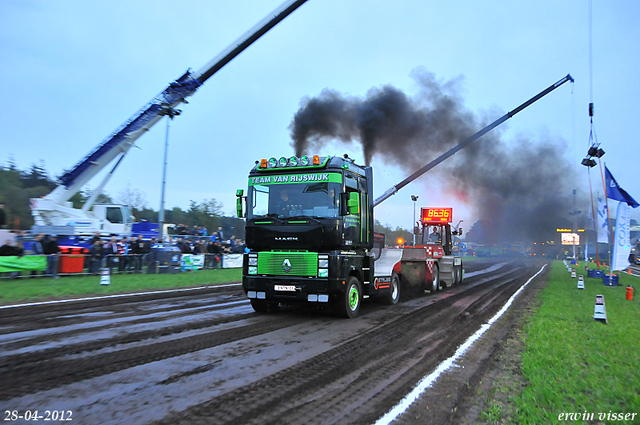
{"x": 263, "y": 163}
{"x": 316, "y": 160}
{"x": 283, "y": 162}
{"x": 273, "y": 163}
{"x": 304, "y": 160}
{"x": 293, "y": 161}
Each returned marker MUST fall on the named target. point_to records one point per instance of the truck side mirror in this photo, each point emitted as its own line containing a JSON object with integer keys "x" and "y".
{"x": 239, "y": 209}
{"x": 354, "y": 203}
{"x": 460, "y": 231}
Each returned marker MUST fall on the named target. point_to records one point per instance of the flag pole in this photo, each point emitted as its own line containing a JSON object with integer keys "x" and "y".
{"x": 593, "y": 216}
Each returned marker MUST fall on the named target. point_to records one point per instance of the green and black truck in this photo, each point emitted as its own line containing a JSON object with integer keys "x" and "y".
{"x": 310, "y": 231}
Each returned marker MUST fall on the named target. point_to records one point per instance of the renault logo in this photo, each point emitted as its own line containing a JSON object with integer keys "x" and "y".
{"x": 286, "y": 265}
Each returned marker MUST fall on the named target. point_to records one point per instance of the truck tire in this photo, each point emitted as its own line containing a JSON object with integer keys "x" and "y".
{"x": 393, "y": 296}
{"x": 451, "y": 279}
{"x": 348, "y": 304}
{"x": 435, "y": 282}
{"x": 460, "y": 274}
{"x": 262, "y": 306}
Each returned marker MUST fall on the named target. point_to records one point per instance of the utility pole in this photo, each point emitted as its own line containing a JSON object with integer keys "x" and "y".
{"x": 414, "y": 198}
{"x": 170, "y": 113}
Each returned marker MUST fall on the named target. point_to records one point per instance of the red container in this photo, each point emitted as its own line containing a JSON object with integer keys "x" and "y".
{"x": 630, "y": 293}
{"x": 71, "y": 259}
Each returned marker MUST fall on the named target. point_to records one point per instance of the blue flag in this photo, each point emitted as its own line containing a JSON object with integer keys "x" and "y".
{"x": 615, "y": 192}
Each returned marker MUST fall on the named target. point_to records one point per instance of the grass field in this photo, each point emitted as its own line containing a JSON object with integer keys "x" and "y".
{"x": 576, "y": 365}
{"x": 24, "y": 289}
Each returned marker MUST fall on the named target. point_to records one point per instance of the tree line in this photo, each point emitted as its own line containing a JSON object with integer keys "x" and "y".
{"x": 18, "y": 186}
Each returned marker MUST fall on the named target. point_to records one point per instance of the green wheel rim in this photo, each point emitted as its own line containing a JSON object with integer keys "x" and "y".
{"x": 353, "y": 297}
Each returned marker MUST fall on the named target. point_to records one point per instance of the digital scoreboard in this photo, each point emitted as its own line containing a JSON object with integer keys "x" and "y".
{"x": 437, "y": 215}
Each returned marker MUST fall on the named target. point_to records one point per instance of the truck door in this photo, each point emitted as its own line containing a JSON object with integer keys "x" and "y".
{"x": 352, "y": 221}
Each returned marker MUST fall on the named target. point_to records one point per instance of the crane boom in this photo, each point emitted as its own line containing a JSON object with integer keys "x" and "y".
{"x": 394, "y": 189}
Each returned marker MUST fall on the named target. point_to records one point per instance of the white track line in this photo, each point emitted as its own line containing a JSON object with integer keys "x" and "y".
{"x": 117, "y": 296}
{"x": 429, "y": 380}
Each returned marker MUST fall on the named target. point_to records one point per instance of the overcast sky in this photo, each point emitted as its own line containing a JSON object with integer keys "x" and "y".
{"x": 72, "y": 71}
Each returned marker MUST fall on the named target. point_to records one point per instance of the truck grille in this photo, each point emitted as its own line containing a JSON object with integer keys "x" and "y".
{"x": 288, "y": 263}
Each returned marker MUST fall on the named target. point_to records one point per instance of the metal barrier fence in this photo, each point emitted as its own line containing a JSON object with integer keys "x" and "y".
{"x": 155, "y": 262}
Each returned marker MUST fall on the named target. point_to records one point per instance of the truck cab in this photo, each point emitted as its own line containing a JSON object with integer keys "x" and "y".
{"x": 309, "y": 228}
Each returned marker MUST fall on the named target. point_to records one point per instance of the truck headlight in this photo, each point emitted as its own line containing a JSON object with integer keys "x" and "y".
{"x": 253, "y": 261}
{"x": 253, "y": 270}
{"x": 323, "y": 265}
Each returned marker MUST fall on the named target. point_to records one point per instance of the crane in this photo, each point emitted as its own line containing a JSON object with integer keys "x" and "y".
{"x": 54, "y": 212}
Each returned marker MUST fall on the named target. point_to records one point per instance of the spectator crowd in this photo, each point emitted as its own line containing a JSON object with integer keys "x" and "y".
{"x": 128, "y": 255}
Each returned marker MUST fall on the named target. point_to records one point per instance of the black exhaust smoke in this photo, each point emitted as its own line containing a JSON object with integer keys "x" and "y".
{"x": 520, "y": 191}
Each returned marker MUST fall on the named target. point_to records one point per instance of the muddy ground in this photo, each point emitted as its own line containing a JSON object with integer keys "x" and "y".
{"x": 204, "y": 356}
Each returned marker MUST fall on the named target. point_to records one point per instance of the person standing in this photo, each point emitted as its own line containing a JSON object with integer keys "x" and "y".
{"x": 96, "y": 237}
{"x": 123, "y": 252}
{"x": 209, "y": 257}
{"x": 18, "y": 250}
{"x": 37, "y": 248}
{"x": 137, "y": 249}
{"x": 217, "y": 252}
{"x": 52, "y": 251}
{"x": 96, "y": 252}
{"x": 150, "y": 255}
{"x": 90, "y": 243}
{"x": 111, "y": 251}
{"x": 6, "y": 250}
{"x": 220, "y": 234}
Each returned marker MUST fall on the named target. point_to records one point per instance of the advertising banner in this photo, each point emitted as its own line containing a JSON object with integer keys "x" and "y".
{"x": 191, "y": 262}
{"x": 603, "y": 228}
{"x": 231, "y": 261}
{"x": 622, "y": 238}
{"x": 24, "y": 263}
{"x": 570, "y": 239}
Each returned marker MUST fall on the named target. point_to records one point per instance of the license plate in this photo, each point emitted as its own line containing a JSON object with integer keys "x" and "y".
{"x": 285, "y": 288}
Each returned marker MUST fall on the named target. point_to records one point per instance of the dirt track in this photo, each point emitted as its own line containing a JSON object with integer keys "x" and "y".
{"x": 205, "y": 356}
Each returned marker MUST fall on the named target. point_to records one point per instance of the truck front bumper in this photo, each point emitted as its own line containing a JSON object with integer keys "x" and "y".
{"x": 290, "y": 289}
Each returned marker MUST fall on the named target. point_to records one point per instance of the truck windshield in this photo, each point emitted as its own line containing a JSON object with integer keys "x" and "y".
{"x": 294, "y": 199}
